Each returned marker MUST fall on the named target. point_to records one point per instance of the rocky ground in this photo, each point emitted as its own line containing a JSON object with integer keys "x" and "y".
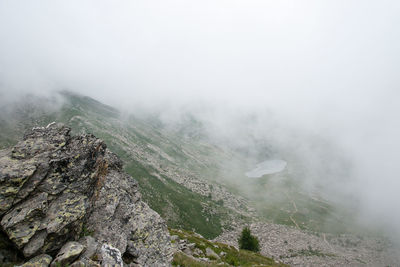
{"x": 191, "y": 249}
{"x": 65, "y": 200}
{"x": 303, "y": 248}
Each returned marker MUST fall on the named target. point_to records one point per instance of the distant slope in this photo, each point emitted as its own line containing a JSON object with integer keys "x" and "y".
{"x": 192, "y": 182}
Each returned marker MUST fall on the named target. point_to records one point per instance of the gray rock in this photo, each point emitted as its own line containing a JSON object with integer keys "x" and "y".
{"x": 187, "y": 251}
{"x": 128, "y": 223}
{"x": 20, "y": 223}
{"x": 86, "y": 263}
{"x": 211, "y": 253}
{"x": 68, "y": 253}
{"x": 204, "y": 259}
{"x": 42, "y": 260}
{"x": 78, "y": 264}
{"x": 90, "y": 245}
{"x": 111, "y": 257}
{"x": 198, "y": 252}
{"x": 55, "y": 187}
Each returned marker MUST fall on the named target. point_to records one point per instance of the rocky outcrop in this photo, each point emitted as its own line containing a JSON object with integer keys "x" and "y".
{"x": 56, "y": 188}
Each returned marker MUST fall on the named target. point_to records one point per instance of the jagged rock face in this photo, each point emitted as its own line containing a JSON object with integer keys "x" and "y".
{"x": 55, "y": 188}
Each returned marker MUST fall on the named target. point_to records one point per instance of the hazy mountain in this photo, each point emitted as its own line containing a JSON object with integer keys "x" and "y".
{"x": 188, "y": 178}
{"x": 197, "y": 182}
{"x": 169, "y": 165}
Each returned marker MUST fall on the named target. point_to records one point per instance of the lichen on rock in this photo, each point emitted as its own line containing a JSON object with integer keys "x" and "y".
{"x": 42, "y": 260}
{"x": 56, "y": 188}
{"x": 68, "y": 254}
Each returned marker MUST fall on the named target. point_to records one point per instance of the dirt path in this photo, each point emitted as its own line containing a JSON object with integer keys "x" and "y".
{"x": 294, "y": 212}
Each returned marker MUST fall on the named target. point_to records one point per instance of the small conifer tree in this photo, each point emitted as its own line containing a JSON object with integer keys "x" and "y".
{"x": 248, "y": 241}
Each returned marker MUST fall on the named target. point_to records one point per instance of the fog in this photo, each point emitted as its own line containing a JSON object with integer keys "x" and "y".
{"x": 299, "y": 69}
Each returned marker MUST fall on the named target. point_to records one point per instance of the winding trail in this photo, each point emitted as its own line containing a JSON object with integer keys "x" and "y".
{"x": 326, "y": 241}
{"x": 294, "y": 212}
{"x": 291, "y": 218}
{"x": 294, "y": 205}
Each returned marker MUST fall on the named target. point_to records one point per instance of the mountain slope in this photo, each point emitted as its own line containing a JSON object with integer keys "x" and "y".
{"x": 198, "y": 184}
{"x": 193, "y": 182}
{"x": 167, "y": 169}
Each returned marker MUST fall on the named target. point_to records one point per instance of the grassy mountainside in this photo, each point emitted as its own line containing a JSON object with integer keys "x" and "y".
{"x": 151, "y": 156}
{"x": 182, "y": 175}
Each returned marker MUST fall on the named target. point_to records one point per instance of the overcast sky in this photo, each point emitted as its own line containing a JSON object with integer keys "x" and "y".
{"x": 328, "y": 67}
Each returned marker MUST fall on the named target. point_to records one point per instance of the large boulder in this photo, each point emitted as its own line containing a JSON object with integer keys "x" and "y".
{"x": 56, "y": 188}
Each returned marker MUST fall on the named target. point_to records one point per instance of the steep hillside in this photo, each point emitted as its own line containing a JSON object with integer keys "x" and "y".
{"x": 193, "y": 182}
{"x": 169, "y": 169}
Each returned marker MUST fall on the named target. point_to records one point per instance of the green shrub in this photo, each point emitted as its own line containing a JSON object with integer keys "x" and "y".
{"x": 248, "y": 241}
